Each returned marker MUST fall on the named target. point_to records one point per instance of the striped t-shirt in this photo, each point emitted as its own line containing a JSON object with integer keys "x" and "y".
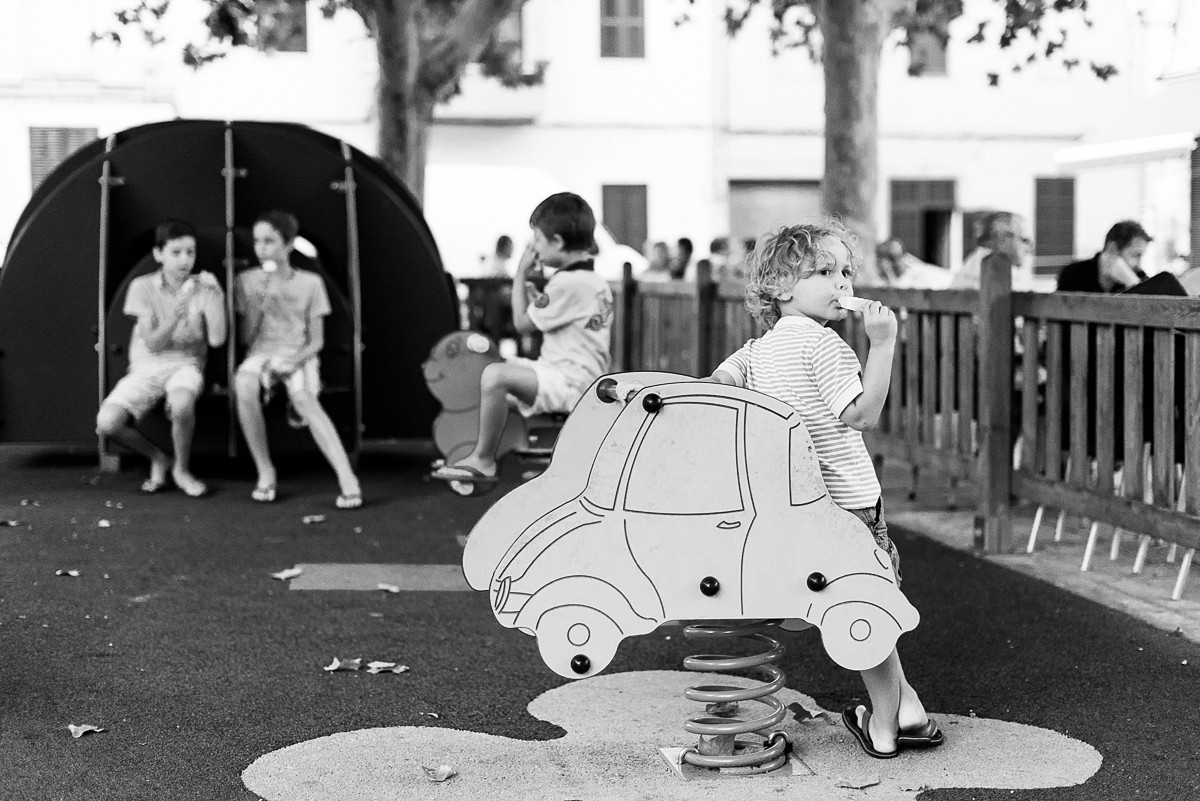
{"x": 809, "y": 367}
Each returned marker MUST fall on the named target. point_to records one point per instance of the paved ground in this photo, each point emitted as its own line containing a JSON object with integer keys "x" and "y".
{"x": 207, "y": 674}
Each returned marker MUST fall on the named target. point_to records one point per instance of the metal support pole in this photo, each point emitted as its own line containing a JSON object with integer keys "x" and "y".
{"x": 109, "y": 462}
{"x": 353, "y": 266}
{"x": 229, "y": 172}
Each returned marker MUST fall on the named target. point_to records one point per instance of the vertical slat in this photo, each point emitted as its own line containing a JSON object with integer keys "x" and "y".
{"x": 895, "y": 404}
{"x": 1105, "y": 409}
{"x": 1079, "y": 404}
{"x": 1029, "y": 387}
{"x": 106, "y": 183}
{"x": 355, "y": 275}
{"x": 1163, "y": 379}
{"x": 966, "y": 385}
{"x": 912, "y": 385}
{"x": 1054, "y": 399}
{"x": 946, "y": 386}
{"x": 1132, "y": 477}
{"x": 1191, "y": 424}
{"x": 229, "y": 173}
{"x": 929, "y": 376}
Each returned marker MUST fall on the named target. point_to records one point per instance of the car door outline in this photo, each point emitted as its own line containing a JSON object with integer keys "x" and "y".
{"x": 709, "y": 542}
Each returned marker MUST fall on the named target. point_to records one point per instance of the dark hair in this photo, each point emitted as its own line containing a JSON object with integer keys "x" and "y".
{"x": 167, "y": 230}
{"x": 567, "y": 215}
{"x": 282, "y": 221}
{"x": 684, "y": 242}
{"x": 1125, "y": 232}
{"x": 719, "y": 245}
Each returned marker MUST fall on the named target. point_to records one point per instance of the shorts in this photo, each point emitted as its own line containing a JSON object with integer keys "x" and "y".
{"x": 145, "y": 385}
{"x": 872, "y": 516}
{"x": 305, "y": 378}
{"x": 555, "y": 391}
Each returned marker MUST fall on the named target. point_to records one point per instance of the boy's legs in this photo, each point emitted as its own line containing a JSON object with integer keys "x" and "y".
{"x": 497, "y": 383}
{"x": 116, "y": 423}
{"x": 183, "y": 388}
{"x": 326, "y": 437}
{"x": 254, "y": 427}
{"x": 895, "y": 705}
{"x": 135, "y": 394}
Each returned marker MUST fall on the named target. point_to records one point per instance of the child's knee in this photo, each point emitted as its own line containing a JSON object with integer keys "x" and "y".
{"x": 110, "y": 419}
{"x": 181, "y": 405}
{"x": 246, "y": 387}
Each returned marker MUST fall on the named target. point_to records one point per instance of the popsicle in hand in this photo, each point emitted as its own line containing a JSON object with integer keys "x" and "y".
{"x": 853, "y": 304}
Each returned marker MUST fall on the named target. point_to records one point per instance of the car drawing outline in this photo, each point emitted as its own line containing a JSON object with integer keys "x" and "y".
{"x": 673, "y": 499}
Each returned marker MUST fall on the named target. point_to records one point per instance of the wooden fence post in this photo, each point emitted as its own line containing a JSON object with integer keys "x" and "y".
{"x": 626, "y": 319}
{"x": 995, "y": 401}
{"x": 704, "y": 317}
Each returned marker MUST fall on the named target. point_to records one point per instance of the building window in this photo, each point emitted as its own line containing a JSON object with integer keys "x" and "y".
{"x": 49, "y": 147}
{"x": 282, "y": 25}
{"x": 927, "y": 53}
{"x": 622, "y": 29}
{"x": 1053, "y": 224}
{"x": 921, "y": 215}
{"x": 624, "y": 213}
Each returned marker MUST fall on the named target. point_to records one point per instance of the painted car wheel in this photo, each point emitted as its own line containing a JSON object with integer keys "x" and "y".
{"x": 857, "y": 635}
{"x": 577, "y": 641}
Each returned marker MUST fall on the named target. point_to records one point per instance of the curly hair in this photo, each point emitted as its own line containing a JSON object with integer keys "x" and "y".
{"x": 783, "y": 257}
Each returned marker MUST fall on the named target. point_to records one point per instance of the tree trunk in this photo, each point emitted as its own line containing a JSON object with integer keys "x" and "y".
{"x": 853, "y": 32}
{"x": 405, "y": 109}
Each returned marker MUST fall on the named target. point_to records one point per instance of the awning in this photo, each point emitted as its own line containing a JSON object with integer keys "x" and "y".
{"x": 1161, "y": 126}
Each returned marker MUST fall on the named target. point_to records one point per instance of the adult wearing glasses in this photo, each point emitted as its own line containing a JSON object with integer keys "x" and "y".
{"x": 1004, "y": 232}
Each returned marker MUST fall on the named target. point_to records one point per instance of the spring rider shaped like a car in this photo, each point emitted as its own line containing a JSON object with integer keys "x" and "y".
{"x": 673, "y": 499}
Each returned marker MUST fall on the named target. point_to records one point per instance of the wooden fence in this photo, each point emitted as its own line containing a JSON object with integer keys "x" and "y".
{"x": 1089, "y": 404}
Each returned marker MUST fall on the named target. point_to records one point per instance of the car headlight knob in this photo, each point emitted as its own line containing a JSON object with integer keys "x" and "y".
{"x": 710, "y": 586}
{"x": 817, "y": 582}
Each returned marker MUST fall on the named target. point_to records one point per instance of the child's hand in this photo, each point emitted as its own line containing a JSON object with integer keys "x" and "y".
{"x": 528, "y": 260}
{"x": 879, "y": 322}
{"x": 206, "y": 280}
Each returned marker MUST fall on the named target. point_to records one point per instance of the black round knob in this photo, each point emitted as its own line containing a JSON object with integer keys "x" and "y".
{"x": 816, "y": 582}
{"x": 652, "y": 403}
{"x": 581, "y": 664}
{"x": 710, "y": 586}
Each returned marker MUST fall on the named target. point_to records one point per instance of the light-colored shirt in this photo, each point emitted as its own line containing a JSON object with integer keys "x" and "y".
{"x": 284, "y": 329}
{"x": 150, "y": 296}
{"x": 813, "y": 370}
{"x": 575, "y": 315}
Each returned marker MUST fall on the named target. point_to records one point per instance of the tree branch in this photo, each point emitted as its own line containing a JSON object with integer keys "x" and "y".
{"x": 452, "y": 48}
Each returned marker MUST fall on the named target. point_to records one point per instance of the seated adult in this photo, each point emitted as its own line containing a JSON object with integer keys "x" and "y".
{"x": 1004, "y": 231}
{"x": 1115, "y": 268}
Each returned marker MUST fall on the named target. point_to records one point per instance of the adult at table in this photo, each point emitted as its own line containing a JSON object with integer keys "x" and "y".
{"x": 1115, "y": 268}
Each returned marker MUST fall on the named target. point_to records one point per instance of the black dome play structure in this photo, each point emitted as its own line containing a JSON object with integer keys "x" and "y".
{"x": 89, "y": 228}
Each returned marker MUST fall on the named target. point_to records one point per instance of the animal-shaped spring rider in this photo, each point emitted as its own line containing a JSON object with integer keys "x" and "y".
{"x": 671, "y": 499}
{"x": 452, "y": 374}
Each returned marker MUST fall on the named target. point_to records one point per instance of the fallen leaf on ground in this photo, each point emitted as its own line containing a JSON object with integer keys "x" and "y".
{"x": 290, "y": 572}
{"x": 386, "y": 667}
{"x": 387, "y": 587}
{"x": 440, "y": 773}
{"x": 79, "y": 731}
{"x": 339, "y": 664}
{"x": 310, "y": 519}
{"x": 803, "y": 714}
{"x": 102, "y": 523}
{"x": 71, "y": 573}
{"x": 10, "y": 523}
{"x": 857, "y": 784}
{"x": 431, "y": 714}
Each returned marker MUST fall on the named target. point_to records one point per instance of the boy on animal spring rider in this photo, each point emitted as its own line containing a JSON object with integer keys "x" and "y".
{"x": 574, "y": 314}
{"x": 798, "y": 278}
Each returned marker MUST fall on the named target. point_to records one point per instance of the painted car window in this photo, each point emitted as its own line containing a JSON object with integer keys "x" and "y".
{"x": 676, "y": 472}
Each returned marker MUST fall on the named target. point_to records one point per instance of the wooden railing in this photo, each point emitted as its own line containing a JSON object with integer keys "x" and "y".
{"x": 981, "y": 375}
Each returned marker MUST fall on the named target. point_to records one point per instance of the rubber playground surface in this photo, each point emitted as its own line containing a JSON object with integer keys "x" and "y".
{"x": 211, "y": 678}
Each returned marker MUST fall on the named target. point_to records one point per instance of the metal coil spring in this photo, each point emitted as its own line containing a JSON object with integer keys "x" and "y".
{"x": 766, "y": 752}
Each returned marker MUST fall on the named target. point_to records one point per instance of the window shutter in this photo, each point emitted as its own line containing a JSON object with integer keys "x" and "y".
{"x": 49, "y": 147}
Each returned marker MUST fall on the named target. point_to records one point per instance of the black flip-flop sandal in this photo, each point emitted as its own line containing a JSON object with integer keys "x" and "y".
{"x": 862, "y": 732}
{"x": 927, "y": 736}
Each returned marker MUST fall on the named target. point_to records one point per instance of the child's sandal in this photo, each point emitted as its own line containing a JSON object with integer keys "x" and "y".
{"x": 349, "y": 500}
